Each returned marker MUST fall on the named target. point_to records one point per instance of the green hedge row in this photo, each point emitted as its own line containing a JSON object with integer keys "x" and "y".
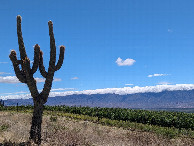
{"x": 160, "y": 118}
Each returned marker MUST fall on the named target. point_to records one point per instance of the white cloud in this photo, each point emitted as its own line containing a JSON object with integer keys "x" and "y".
{"x": 74, "y": 78}
{"x": 4, "y": 73}
{"x": 170, "y": 30}
{"x": 21, "y": 92}
{"x": 62, "y": 89}
{"x": 157, "y": 75}
{"x": 164, "y": 83}
{"x": 9, "y": 79}
{"x": 120, "y": 91}
{"x": 56, "y": 80}
{"x": 126, "y": 62}
{"x": 19, "y": 96}
{"x": 39, "y": 80}
{"x": 14, "y": 79}
{"x": 24, "y": 92}
{"x": 128, "y": 84}
{"x": 129, "y": 90}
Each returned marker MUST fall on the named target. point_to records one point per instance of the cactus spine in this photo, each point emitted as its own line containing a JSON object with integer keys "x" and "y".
{"x": 25, "y": 75}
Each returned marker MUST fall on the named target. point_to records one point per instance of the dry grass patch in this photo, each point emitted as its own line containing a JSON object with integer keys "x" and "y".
{"x": 58, "y": 130}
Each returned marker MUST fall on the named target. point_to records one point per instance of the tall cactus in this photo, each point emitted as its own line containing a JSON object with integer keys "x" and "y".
{"x": 25, "y": 75}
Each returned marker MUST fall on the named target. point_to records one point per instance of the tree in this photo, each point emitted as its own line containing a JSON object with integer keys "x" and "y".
{"x": 25, "y": 74}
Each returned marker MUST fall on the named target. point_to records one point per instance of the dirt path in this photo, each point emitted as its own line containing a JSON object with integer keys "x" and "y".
{"x": 64, "y": 131}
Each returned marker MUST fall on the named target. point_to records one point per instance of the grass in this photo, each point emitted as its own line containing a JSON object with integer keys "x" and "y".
{"x": 53, "y": 118}
{"x": 4, "y": 127}
{"x": 167, "y": 132}
{"x": 60, "y": 128}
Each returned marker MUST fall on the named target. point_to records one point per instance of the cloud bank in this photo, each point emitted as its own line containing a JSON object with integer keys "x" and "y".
{"x": 127, "y": 62}
{"x": 120, "y": 91}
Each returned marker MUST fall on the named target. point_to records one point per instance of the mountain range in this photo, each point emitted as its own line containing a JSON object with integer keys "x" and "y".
{"x": 164, "y": 99}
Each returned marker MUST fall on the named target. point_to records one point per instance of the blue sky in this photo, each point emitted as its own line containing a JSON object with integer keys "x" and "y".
{"x": 109, "y": 43}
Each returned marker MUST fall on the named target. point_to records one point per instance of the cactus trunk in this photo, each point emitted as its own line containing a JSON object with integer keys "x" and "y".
{"x": 35, "y": 131}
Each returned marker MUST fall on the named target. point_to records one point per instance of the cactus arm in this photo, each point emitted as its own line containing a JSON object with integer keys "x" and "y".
{"x": 52, "y": 53}
{"x": 36, "y": 58}
{"x": 31, "y": 82}
{"x": 41, "y": 66}
{"x": 47, "y": 85}
{"x": 52, "y": 68}
{"x": 15, "y": 62}
{"x": 48, "y": 82}
{"x": 20, "y": 38}
{"x": 61, "y": 57}
{"x": 49, "y": 78}
{"x": 52, "y": 46}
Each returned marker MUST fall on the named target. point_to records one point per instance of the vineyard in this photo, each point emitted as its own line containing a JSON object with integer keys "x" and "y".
{"x": 178, "y": 120}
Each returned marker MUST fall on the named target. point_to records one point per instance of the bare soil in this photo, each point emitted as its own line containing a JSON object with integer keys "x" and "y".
{"x": 14, "y": 128}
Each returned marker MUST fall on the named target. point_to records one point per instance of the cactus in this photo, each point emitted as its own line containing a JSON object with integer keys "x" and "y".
{"x": 25, "y": 75}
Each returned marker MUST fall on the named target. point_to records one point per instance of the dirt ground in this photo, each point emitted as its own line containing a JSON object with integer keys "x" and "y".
{"x": 14, "y": 127}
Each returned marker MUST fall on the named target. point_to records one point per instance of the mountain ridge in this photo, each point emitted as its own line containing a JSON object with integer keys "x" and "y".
{"x": 164, "y": 99}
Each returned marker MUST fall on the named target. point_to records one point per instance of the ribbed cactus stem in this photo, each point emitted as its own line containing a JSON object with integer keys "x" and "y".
{"x": 31, "y": 82}
{"x": 25, "y": 75}
{"x": 20, "y": 38}
{"x": 41, "y": 66}
{"x": 18, "y": 72}
{"x": 36, "y": 58}
{"x": 52, "y": 45}
{"x": 52, "y": 68}
{"x": 61, "y": 58}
